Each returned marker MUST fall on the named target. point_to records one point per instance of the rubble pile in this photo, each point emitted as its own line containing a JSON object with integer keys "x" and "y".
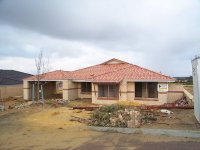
{"x": 116, "y": 116}
{"x": 149, "y": 116}
{"x": 23, "y": 105}
{"x": 56, "y": 102}
{"x": 135, "y": 120}
{"x": 182, "y": 102}
{"x": 165, "y": 111}
{"x": 110, "y": 116}
{"x": 119, "y": 116}
{"x": 2, "y": 108}
{"x": 61, "y": 101}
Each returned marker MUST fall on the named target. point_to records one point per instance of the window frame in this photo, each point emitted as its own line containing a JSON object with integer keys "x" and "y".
{"x": 85, "y": 88}
{"x": 146, "y": 86}
{"x": 154, "y": 85}
{"x": 108, "y": 97}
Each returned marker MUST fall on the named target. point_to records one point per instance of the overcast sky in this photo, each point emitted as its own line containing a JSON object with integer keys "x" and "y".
{"x": 162, "y": 35}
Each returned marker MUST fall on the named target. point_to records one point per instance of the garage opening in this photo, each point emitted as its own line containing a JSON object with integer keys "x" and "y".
{"x": 146, "y": 90}
{"x": 48, "y": 89}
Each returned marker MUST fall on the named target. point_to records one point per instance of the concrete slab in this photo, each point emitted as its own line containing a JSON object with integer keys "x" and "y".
{"x": 166, "y": 132}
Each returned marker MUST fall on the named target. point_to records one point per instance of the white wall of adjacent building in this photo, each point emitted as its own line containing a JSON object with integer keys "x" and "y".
{"x": 196, "y": 86}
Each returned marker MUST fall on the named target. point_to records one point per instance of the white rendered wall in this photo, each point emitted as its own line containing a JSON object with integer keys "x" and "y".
{"x": 196, "y": 86}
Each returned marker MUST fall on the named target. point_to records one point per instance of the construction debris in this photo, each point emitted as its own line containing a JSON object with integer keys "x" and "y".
{"x": 135, "y": 120}
{"x": 23, "y": 105}
{"x": 88, "y": 108}
{"x": 166, "y": 106}
{"x": 56, "y": 102}
{"x": 110, "y": 116}
{"x": 165, "y": 111}
{"x": 179, "y": 104}
{"x": 2, "y": 108}
{"x": 182, "y": 102}
{"x": 131, "y": 117}
{"x": 148, "y": 116}
{"x": 61, "y": 101}
{"x": 81, "y": 120}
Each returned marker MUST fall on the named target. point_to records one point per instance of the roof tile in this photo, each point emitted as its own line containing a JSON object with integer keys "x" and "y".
{"x": 108, "y": 72}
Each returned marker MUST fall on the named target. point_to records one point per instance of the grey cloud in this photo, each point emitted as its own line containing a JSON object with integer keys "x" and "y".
{"x": 65, "y": 19}
{"x": 159, "y": 31}
{"x": 22, "y": 43}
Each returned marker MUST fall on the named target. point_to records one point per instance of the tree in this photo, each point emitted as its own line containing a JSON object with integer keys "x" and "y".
{"x": 42, "y": 67}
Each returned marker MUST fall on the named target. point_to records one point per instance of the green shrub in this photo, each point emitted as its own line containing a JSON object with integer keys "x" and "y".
{"x": 112, "y": 108}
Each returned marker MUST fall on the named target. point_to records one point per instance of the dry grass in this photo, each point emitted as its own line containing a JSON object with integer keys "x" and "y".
{"x": 127, "y": 103}
{"x": 80, "y": 102}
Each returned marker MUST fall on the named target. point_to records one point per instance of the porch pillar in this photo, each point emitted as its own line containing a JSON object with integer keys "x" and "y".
{"x": 94, "y": 93}
{"x": 65, "y": 90}
{"x": 26, "y": 90}
{"x": 162, "y": 96}
{"x": 70, "y": 90}
{"x": 123, "y": 90}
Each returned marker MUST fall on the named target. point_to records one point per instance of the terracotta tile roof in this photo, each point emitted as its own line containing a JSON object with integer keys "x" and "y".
{"x": 97, "y": 70}
{"x": 54, "y": 75}
{"x": 132, "y": 73}
{"x": 113, "y": 70}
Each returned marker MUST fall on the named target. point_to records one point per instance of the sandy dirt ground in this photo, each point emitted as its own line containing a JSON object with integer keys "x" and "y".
{"x": 181, "y": 119}
{"x": 47, "y": 128}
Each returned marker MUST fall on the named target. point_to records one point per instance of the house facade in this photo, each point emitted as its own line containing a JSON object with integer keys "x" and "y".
{"x": 110, "y": 82}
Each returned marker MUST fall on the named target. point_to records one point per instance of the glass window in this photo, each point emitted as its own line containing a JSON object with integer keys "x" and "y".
{"x": 86, "y": 87}
{"x": 113, "y": 91}
{"x": 108, "y": 90}
{"x": 138, "y": 89}
{"x": 146, "y": 89}
{"x": 103, "y": 91}
{"x": 152, "y": 90}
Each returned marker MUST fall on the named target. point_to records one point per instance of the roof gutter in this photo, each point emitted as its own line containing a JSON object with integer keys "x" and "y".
{"x": 42, "y": 80}
{"x": 106, "y": 82}
{"x": 81, "y": 81}
{"x": 151, "y": 81}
